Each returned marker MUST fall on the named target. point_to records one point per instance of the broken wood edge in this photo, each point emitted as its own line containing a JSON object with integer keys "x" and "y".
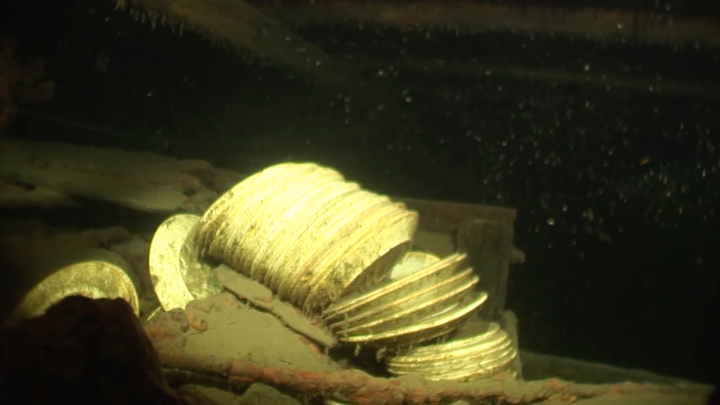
{"x": 358, "y": 387}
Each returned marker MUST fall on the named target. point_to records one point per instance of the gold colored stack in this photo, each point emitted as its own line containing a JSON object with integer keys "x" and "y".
{"x": 328, "y": 247}
{"x": 306, "y": 233}
{"x": 177, "y": 274}
{"x": 93, "y": 279}
{"x": 426, "y": 298}
{"x": 479, "y": 350}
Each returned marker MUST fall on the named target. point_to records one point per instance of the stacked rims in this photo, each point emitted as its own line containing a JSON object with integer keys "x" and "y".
{"x": 425, "y": 298}
{"x": 92, "y": 279}
{"x": 306, "y": 233}
{"x": 478, "y": 350}
{"x": 177, "y": 275}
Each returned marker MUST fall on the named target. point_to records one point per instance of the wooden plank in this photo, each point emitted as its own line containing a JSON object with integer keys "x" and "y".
{"x": 138, "y": 180}
{"x": 489, "y": 246}
{"x": 242, "y": 26}
{"x": 439, "y": 216}
{"x": 616, "y": 25}
{"x": 539, "y": 366}
{"x": 603, "y": 79}
{"x": 437, "y": 243}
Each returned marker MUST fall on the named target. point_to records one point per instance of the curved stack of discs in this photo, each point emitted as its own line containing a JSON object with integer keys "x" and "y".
{"x": 306, "y": 233}
{"x": 178, "y": 276}
{"x": 426, "y": 298}
{"x": 93, "y": 279}
{"x": 478, "y": 350}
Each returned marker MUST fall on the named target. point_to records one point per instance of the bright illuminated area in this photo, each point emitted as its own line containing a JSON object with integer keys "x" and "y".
{"x": 397, "y": 202}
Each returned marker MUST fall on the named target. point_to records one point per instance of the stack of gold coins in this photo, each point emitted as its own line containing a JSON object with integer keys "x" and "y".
{"x": 303, "y": 231}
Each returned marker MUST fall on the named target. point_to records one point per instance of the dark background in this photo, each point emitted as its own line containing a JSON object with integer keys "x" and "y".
{"x": 616, "y": 187}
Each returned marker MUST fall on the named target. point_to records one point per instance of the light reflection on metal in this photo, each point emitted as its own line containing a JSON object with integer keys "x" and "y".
{"x": 306, "y": 233}
{"x": 177, "y": 274}
{"x": 328, "y": 247}
{"x": 92, "y": 279}
{"x": 478, "y": 350}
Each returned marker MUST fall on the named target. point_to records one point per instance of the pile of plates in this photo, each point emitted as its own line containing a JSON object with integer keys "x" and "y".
{"x": 306, "y": 233}
{"x": 425, "y": 298}
{"x": 478, "y": 350}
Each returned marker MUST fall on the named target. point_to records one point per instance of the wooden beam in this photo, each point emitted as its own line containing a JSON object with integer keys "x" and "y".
{"x": 472, "y": 17}
{"x": 138, "y": 180}
{"x": 439, "y": 216}
{"x": 602, "y": 80}
{"x": 489, "y": 246}
{"x": 244, "y": 28}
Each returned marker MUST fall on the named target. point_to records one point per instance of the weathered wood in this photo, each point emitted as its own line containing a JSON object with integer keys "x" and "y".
{"x": 260, "y": 296}
{"x": 437, "y": 243}
{"x": 243, "y": 27}
{"x": 354, "y": 386}
{"x": 442, "y": 216}
{"x": 600, "y": 79}
{"x": 489, "y": 246}
{"x": 184, "y": 364}
{"x": 137, "y": 180}
{"x": 621, "y": 25}
{"x": 15, "y": 196}
{"x": 539, "y": 366}
{"x": 104, "y": 339}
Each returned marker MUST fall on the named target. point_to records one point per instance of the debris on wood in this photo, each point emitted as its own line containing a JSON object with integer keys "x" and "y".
{"x": 138, "y": 180}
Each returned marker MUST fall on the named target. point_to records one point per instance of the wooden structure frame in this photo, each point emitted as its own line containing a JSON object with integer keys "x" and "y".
{"x": 484, "y": 232}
